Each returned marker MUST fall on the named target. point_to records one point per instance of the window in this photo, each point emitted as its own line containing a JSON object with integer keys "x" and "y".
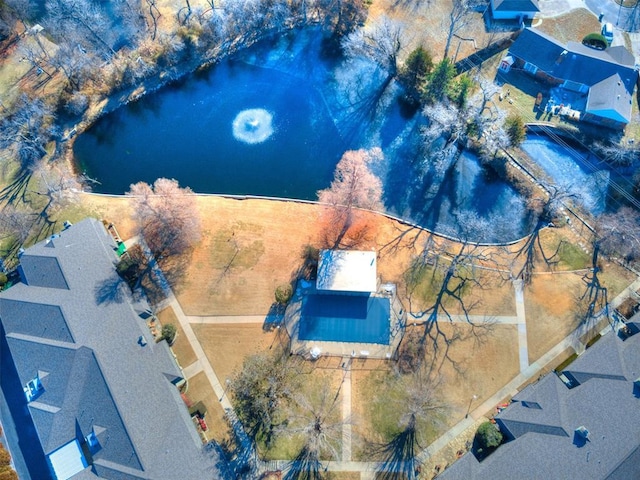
{"x": 575, "y": 86}
{"x": 529, "y": 67}
{"x": 33, "y": 389}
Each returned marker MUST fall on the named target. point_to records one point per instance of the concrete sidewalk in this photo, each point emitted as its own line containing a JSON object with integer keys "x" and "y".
{"x": 554, "y": 8}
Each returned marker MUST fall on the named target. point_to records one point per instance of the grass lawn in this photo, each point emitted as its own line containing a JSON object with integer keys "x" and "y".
{"x": 199, "y": 389}
{"x": 487, "y": 362}
{"x": 550, "y": 303}
{"x": 426, "y": 24}
{"x": 181, "y": 346}
{"x": 571, "y": 27}
{"x": 227, "y": 345}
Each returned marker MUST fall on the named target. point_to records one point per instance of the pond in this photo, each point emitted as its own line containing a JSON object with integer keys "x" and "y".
{"x": 274, "y": 121}
{"x": 235, "y": 129}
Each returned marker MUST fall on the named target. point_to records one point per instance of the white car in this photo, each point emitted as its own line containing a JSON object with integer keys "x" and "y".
{"x": 607, "y": 32}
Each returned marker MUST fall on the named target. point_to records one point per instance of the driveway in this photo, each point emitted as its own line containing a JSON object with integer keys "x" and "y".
{"x": 611, "y": 11}
{"x": 618, "y": 16}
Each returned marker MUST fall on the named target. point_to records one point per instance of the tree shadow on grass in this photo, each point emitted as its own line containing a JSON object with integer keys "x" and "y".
{"x": 17, "y": 189}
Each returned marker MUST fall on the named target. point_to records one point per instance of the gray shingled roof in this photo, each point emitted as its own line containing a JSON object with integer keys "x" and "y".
{"x": 604, "y": 403}
{"x": 34, "y": 319}
{"x": 609, "y": 73}
{"x": 42, "y": 271}
{"x": 95, "y": 373}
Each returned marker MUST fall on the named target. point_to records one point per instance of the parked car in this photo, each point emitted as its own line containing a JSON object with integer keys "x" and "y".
{"x": 607, "y": 32}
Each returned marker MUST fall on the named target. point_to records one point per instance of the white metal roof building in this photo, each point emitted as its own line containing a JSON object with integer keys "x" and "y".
{"x": 347, "y": 271}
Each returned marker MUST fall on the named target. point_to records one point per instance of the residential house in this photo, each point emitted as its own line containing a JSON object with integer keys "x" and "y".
{"x": 583, "y": 423}
{"x": 599, "y": 84}
{"x": 87, "y": 392}
{"x": 520, "y": 10}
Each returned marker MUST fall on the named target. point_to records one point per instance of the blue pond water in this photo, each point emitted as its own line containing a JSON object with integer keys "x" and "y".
{"x": 310, "y": 109}
{"x": 186, "y": 132}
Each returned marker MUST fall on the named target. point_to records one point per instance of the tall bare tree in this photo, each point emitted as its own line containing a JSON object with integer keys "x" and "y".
{"x": 261, "y": 390}
{"x": 166, "y": 217}
{"x": 417, "y": 407}
{"x": 459, "y": 17}
{"x": 546, "y": 209}
{"x": 28, "y": 130}
{"x": 380, "y": 42}
{"x": 619, "y": 233}
{"x": 82, "y": 21}
{"x": 438, "y": 283}
{"x": 354, "y": 185}
{"x": 319, "y": 423}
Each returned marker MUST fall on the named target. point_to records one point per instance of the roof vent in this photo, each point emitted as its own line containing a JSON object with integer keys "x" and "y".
{"x": 582, "y": 431}
{"x": 580, "y": 436}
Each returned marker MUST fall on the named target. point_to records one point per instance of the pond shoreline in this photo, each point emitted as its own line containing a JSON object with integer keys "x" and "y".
{"x": 150, "y": 85}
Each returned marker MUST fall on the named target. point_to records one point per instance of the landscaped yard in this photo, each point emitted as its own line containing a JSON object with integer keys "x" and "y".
{"x": 249, "y": 247}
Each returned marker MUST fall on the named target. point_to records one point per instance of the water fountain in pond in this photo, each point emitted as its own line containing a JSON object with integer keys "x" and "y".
{"x": 253, "y": 126}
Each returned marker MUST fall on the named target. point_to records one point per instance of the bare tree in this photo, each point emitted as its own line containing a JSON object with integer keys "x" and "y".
{"x": 166, "y": 216}
{"x": 595, "y": 298}
{"x": 57, "y": 183}
{"x": 342, "y": 16}
{"x": 449, "y": 274}
{"x": 260, "y": 391}
{"x": 34, "y": 55}
{"x": 459, "y": 17}
{"x": 446, "y": 121}
{"x": 84, "y": 21}
{"x": 545, "y": 209}
{"x": 319, "y": 423}
{"x": 380, "y": 43}
{"x": 416, "y": 408}
{"x": 354, "y": 185}
{"x": 619, "y": 233}
{"x": 74, "y": 63}
{"x": 15, "y": 227}
{"x": 154, "y": 14}
{"x": 618, "y": 153}
{"x": 28, "y": 130}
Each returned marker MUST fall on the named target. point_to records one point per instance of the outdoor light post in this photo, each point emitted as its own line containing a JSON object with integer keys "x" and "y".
{"x": 226, "y": 387}
{"x": 469, "y": 407}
